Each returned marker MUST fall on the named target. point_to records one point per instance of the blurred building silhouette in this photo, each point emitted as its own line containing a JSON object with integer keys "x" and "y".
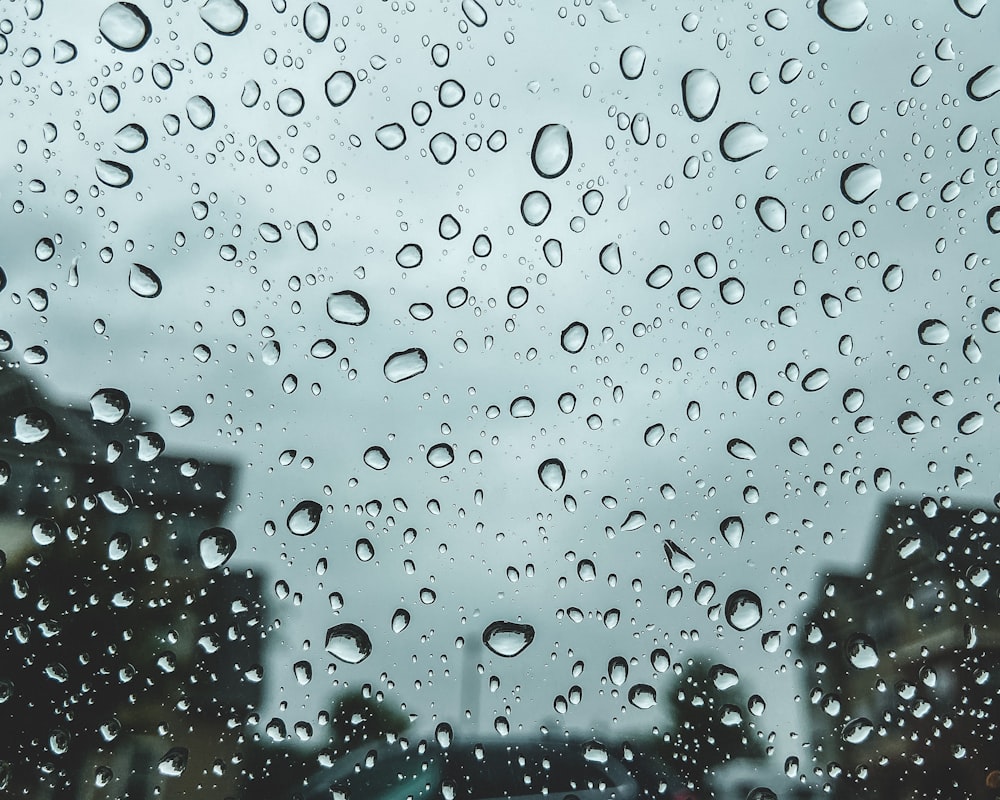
{"x": 905, "y": 658}
{"x": 127, "y": 665}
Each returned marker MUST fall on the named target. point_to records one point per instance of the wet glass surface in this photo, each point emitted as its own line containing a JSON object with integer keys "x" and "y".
{"x": 605, "y": 390}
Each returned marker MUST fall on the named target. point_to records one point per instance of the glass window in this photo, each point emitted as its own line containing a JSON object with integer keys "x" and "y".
{"x": 463, "y": 385}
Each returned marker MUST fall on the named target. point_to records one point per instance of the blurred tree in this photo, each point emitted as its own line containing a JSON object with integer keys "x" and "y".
{"x": 357, "y": 718}
{"x": 706, "y": 724}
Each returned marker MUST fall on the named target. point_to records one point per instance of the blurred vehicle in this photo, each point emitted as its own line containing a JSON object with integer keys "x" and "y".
{"x": 526, "y": 769}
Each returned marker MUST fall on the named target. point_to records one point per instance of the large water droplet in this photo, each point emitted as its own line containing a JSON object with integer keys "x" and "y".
{"x": 474, "y": 12}
{"x": 700, "y": 90}
{"x": 743, "y": 609}
{"x": 860, "y": 181}
{"x": 984, "y": 84}
{"x": 933, "y": 331}
{"x": 772, "y": 213}
{"x": 844, "y": 15}
{"x": 642, "y": 695}
{"x": 400, "y": 620}
{"x": 113, "y": 173}
{"x": 611, "y": 258}
{"x": 349, "y": 643}
{"x": 304, "y": 518}
{"x": 174, "y": 762}
{"x": 347, "y": 308}
{"x": 741, "y": 450}
{"x": 125, "y": 26}
{"x": 618, "y": 670}
{"x": 971, "y": 423}
{"x": 552, "y": 474}
{"x": 816, "y": 380}
{"x": 723, "y": 676}
{"x": 109, "y": 406}
{"x": 316, "y": 21}
{"x": 654, "y": 434}
{"x": 731, "y": 529}
{"x": 659, "y": 276}
{"x": 678, "y": 560}
{"x": 339, "y": 88}
{"x": 144, "y": 282}
{"x": 441, "y": 455}
{"x": 535, "y": 208}
{"x": 861, "y": 651}
{"x": 405, "y": 364}
{"x": 131, "y": 138}
{"x": 632, "y": 61}
{"x": 376, "y": 458}
{"x": 226, "y": 17}
{"x": 574, "y": 337}
{"x": 746, "y": 385}
{"x": 216, "y": 546}
{"x": 910, "y": 423}
{"x": 552, "y": 150}
{"x": 391, "y": 136}
{"x": 742, "y": 140}
{"x": 508, "y": 639}
{"x": 857, "y": 730}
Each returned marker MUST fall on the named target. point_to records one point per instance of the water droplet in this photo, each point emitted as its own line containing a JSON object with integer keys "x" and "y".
{"x": 144, "y": 282}
{"x": 364, "y": 550}
{"x": 376, "y": 458}
{"x": 304, "y": 518}
{"x": 861, "y": 651}
{"x": 689, "y": 297}
{"x": 860, "y": 181}
{"x": 993, "y": 219}
{"x": 857, "y": 730}
{"x": 853, "y": 400}
{"x": 653, "y": 434}
{"x": 474, "y": 12}
{"x": 508, "y": 639}
{"x": 844, "y": 15}
{"x": 216, "y": 546}
{"x": 618, "y": 671}
{"x": 743, "y": 609}
{"x": 225, "y": 17}
{"x": 391, "y": 136}
{"x": 174, "y": 762}
{"x": 741, "y": 450}
{"x": 574, "y": 337}
{"x": 131, "y": 138}
{"x": 761, "y": 793}
{"x": 200, "y": 112}
{"x": 535, "y": 208}
{"x": 405, "y": 364}
{"x": 348, "y": 643}
{"x": 933, "y": 332}
{"x": 731, "y": 529}
{"x": 815, "y": 380}
{"x": 181, "y": 416}
{"x": 552, "y": 474}
{"x": 991, "y": 319}
{"x": 634, "y": 521}
{"x": 742, "y": 140}
{"x": 316, "y": 21}
{"x": 910, "y": 423}
{"x": 290, "y": 102}
{"x": 63, "y": 51}
{"x": 732, "y": 291}
{"x": 659, "y": 276}
{"x": 723, "y": 676}
{"x": 522, "y": 407}
{"x": 109, "y": 406}
{"x": 892, "y": 278}
{"x": 347, "y": 308}
{"x": 984, "y": 84}
{"x": 440, "y": 455}
{"x": 552, "y": 150}
{"x": 798, "y": 446}
{"x": 339, "y": 87}
{"x": 971, "y": 350}
{"x": 772, "y": 213}
{"x": 632, "y": 61}
{"x": 113, "y": 173}
{"x": 611, "y": 258}
{"x": 125, "y": 26}
{"x": 677, "y": 559}
{"x": 586, "y": 571}
{"x": 44, "y": 531}
{"x": 700, "y": 92}
{"x": 400, "y": 620}
{"x": 450, "y": 93}
{"x": 971, "y": 423}
{"x": 642, "y": 695}
{"x": 443, "y": 147}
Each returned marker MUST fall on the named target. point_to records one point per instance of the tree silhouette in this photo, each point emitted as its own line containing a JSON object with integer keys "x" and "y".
{"x": 707, "y": 722}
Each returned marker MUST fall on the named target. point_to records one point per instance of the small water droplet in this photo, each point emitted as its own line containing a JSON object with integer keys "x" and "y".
{"x": 109, "y": 406}
{"x": 861, "y": 651}
{"x": 653, "y": 434}
{"x": 642, "y": 695}
{"x": 610, "y": 258}
{"x": 174, "y": 762}
{"x": 391, "y": 136}
{"x": 772, "y": 213}
{"x": 731, "y": 529}
{"x": 113, "y": 173}
{"x": 144, "y": 282}
{"x": 740, "y": 449}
